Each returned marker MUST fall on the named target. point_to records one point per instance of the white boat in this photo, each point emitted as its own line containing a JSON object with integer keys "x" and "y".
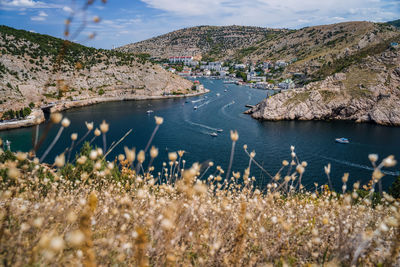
{"x": 218, "y": 94}
{"x": 220, "y": 130}
{"x": 149, "y": 111}
{"x": 342, "y": 140}
{"x": 225, "y": 90}
{"x": 195, "y": 107}
{"x": 214, "y": 134}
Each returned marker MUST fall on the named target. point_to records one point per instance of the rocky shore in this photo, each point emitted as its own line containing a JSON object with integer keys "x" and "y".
{"x": 64, "y": 105}
{"x": 36, "y": 117}
{"x": 366, "y": 92}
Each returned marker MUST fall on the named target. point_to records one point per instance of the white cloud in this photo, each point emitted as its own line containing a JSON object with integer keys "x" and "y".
{"x": 19, "y": 3}
{"x": 274, "y": 13}
{"x": 67, "y": 9}
{"x": 42, "y": 16}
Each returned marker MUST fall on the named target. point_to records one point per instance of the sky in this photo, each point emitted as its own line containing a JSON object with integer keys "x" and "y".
{"x": 124, "y": 22}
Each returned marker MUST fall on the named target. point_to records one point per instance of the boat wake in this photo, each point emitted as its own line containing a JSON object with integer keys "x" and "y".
{"x": 198, "y": 100}
{"x": 201, "y": 125}
{"x": 360, "y": 166}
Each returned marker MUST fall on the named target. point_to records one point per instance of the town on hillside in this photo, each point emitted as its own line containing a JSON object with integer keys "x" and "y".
{"x": 266, "y": 75}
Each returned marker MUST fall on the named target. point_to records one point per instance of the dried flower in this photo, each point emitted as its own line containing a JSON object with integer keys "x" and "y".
{"x": 56, "y": 118}
{"x": 65, "y": 122}
{"x": 104, "y": 127}
{"x": 234, "y": 136}
{"x": 159, "y": 120}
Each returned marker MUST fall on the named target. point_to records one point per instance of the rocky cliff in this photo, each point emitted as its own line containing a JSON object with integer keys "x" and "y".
{"x": 42, "y": 69}
{"x": 368, "y": 91}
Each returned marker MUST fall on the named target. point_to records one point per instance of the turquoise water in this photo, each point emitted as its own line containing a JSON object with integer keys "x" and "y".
{"x": 189, "y": 129}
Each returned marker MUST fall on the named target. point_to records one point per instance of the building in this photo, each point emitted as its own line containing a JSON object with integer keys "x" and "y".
{"x": 286, "y": 84}
{"x": 280, "y": 64}
{"x": 184, "y": 60}
{"x": 239, "y": 66}
{"x": 252, "y": 77}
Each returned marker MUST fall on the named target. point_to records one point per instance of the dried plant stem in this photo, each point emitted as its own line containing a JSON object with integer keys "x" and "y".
{"x": 83, "y": 138}
{"x": 70, "y": 150}
{"x": 151, "y": 138}
{"x": 104, "y": 142}
{"x": 117, "y": 143}
{"x": 52, "y": 144}
{"x": 230, "y": 160}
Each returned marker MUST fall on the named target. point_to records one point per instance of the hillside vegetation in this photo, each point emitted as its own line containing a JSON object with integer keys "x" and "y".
{"x": 210, "y": 42}
{"x": 42, "y": 69}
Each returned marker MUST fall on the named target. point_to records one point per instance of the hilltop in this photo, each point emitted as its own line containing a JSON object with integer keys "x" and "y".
{"x": 209, "y": 42}
{"x": 38, "y": 69}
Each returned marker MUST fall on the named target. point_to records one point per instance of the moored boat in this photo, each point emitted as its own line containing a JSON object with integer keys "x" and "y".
{"x": 342, "y": 140}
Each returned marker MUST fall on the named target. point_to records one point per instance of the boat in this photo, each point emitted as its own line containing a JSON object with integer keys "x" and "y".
{"x": 342, "y": 140}
{"x": 220, "y": 130}
{"x": 214, "y": 134}
{"x": 218, "y": 94}
{"x": 149, "y": 111}
{"x": 195, "y": 107}
{"x": 225, "y": 90}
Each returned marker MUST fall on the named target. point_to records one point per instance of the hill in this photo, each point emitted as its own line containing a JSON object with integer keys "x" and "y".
{"x": 39, "y": 69}
{"x": 395, "y": 23}
{"x": 365, "y": 89}
{"x": 210, "y": 42}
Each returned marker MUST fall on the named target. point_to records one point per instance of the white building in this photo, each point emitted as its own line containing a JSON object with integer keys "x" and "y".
{"x": 184, "y": 60}
{"x": 240, "y": 66}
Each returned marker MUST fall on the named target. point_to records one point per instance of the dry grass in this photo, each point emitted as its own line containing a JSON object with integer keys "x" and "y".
{"x": 108, "y": 213}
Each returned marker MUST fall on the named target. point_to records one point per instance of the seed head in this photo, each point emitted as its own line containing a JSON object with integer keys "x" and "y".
{"x": 159, "y": 120}
{"x": 172, "y": 156}
{"x": 89, "y": 125}
{"x": 13, "y": 173}
{"x": 327, "y": 169}
{"x": 181, "y": 152}
{"x": 97, "y": 132}
{"x": 81, "y": 160}
{"x": 252, "y": 154}
{"x": 130, "y": 154}
{"x": 389, "y": 161}
{"x": 65, "y": 122}
{"x": 21, "y": 156}
{"x": 60, "y": 160}
{"x": 56, "y": 118}
{"x": 234, "y": 136}
{"x": 373, "y": 157}
{"x": 104, "y": 127}
{"x": 153, "y": 152}
{"x": 93, "y": 155}
{"x": 345, "y": 177}
{"x": 141, "y": 157}
{"x": 74, "y": 136}
{"x": 96, "y": 19}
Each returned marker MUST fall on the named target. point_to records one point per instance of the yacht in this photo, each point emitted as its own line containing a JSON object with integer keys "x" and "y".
{"x": 149, "y": 111}
{"x": 220, "y": 130}
{"x": 195, "y": 107}
{"x": 214, "y": 134}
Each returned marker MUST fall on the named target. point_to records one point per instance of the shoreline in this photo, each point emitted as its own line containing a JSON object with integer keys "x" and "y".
{"x": 37, "y": 115}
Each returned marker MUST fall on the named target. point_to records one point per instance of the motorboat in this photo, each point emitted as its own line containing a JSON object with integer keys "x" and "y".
{"x": 218, "y": 94}
{"x": 149, "y": 111}
{"x": 225, "y": 90}
{"x": 342, "y": 140}
{"x": 195, "y": 107}
{"x": 220, "y": 130}
{"x": 214, "y": 134}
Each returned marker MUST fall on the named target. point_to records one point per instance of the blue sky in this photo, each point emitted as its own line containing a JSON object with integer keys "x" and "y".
{"x": 124, "y": 22}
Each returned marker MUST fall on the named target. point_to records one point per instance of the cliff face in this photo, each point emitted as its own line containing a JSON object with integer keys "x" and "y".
{"x": 28, "y": 73}
{"x": 365, "y": 92}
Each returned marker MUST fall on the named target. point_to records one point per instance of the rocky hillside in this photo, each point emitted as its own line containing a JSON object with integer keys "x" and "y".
{"x": 211, "y": 42}
{"x": 313, "y": 48}
{"x": 366, "y": 91}
{"x": 42, "y": 69}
